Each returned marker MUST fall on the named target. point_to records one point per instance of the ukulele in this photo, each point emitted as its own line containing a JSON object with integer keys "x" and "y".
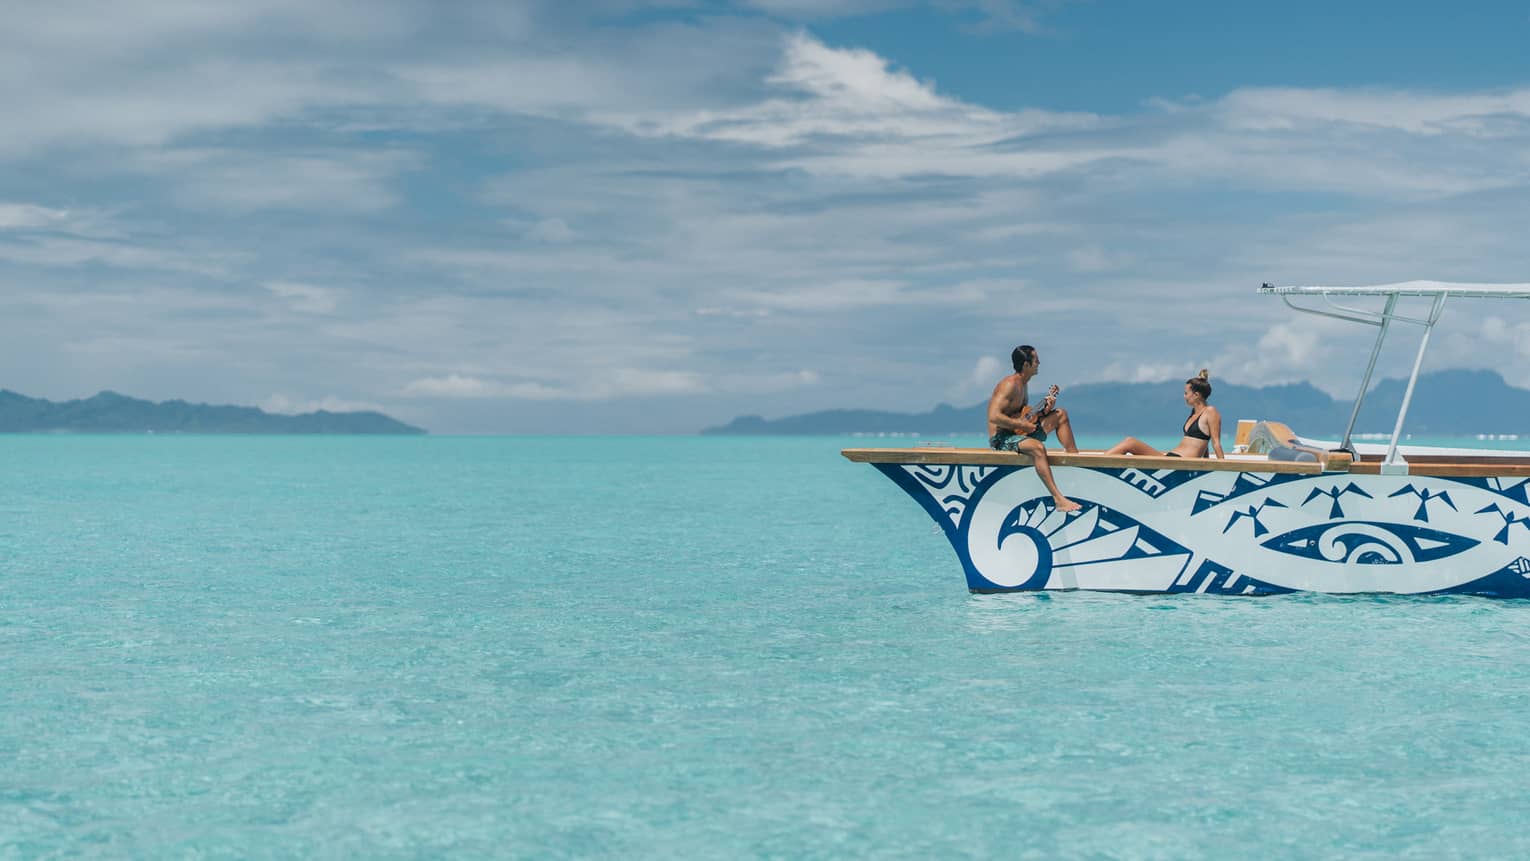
{"x": 1046, "y": 407}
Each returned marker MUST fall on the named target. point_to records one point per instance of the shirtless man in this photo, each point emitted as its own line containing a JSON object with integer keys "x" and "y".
{"x": 1009, "y": 431}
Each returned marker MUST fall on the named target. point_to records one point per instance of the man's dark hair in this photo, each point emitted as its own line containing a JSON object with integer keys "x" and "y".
{"x": 1022, "y": 356}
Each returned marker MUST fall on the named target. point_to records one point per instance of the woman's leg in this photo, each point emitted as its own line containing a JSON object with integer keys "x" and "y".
{"x": 1132, "y": 445}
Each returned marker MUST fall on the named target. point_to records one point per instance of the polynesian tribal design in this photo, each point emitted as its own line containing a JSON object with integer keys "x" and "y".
{"x": 1369, "y": 543}
{"x": 952, "y": 486}
{"x": 1336, "y": 493}
{"x": 1228, "y": 532}
{"x": 1510, "y": 517}
{"x": 1425, "y": 497}
{"x": 1252, "y": 514}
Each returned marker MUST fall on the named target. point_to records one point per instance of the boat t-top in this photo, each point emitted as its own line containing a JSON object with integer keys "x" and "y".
{"x": 1283, "y": 513}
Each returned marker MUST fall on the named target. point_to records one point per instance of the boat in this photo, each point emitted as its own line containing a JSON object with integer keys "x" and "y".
{"x": 1282, "y": 513}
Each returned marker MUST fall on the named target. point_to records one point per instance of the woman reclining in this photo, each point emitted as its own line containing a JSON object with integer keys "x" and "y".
{"x": 1203, "y": 426}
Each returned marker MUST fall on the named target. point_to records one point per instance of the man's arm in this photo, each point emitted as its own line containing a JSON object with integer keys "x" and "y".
{"x": 1046, "y": 406}
{"x": 1002, "y": 395}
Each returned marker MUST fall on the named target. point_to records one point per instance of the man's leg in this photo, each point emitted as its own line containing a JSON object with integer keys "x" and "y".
{"x": 1058, "y": 423}
{"x": 1038, "y": 453}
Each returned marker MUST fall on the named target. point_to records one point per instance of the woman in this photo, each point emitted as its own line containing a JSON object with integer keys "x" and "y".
{"x": 1204, "y": 426}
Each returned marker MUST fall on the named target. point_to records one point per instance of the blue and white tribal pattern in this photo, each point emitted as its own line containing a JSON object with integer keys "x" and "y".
{"x": 1229, "y": 532}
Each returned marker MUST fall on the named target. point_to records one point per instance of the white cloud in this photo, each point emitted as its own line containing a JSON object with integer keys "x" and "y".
{"x": 811, "y": 9}
{"x": 990, "y": 15}
{"x": 455, "y": 386}
{"x": 244, "y": 181}
{"x": 1144, "y": 372}
{"x": 846, "y": 112}
{"x": 648, "y": 382}
{"x": 99, "y": 73}
{"x": 306, "y": 297}
{"x": 284, "y": 405}
{"x": 1301, "y": 348}
{"x": 156, "y": 107}
{"x": 611, "y": 71}
{"x": 785, "y": 381}
{"x": 550, "y": 230}
{"x": 999, "y": 15}
{"x": 619, "y": 383}
{"x": 36, "y": 223}
{"x": 854, "y": 79}
{"x": 144, "y": 74}
{"x": 1503, "y": 343}
{"x": 1498, "y": 114}
{"x": 548, "y": 85}
{"x": 70, "y": 252}
{"x": 837, "y": 296}
{"x": 1287, "y": 350}
{"x": 858, "y": 294}
{"x": 1093, "y": 258}
{"x": 1292, "y": 346}
{"x": 22, "y": 216}
{"x": 735, "y": 313}
{"x": 751, "y": 220}
{"x": 980, "y": 380}
{"x": 853, "y": 95}
{"x": 987, "y": 372}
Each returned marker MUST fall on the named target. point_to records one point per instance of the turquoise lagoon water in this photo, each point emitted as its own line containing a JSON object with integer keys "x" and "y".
{"x": 682, "y": 648}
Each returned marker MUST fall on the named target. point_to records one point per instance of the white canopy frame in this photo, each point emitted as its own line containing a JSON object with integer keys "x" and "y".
{"x": 1438, "y": 291}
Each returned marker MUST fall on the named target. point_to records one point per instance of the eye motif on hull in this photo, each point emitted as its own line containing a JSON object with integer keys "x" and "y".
{"x": 1368, "y": 543}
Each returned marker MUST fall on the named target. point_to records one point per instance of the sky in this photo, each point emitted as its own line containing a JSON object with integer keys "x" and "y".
{"x": 620, "y": 217}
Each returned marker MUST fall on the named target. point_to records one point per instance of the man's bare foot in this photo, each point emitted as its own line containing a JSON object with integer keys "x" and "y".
{"x": 1066, "y": 504}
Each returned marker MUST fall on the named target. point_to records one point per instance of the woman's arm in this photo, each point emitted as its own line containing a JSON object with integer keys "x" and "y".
{"x": 1214, "y": 420}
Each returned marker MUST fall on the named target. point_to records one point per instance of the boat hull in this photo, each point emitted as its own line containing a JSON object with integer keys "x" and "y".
{"x": 1228, "y": 532}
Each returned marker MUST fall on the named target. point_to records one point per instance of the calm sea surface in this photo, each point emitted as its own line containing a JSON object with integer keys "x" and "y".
{"x": 682, "y": 648}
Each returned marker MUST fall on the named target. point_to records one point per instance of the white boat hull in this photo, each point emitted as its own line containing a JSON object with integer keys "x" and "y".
{"x": 1228, "y": 532}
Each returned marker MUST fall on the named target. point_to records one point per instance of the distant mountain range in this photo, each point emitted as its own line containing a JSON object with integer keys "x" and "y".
{"x": 1444, "y": 402}
{"x": 109, "y": 412}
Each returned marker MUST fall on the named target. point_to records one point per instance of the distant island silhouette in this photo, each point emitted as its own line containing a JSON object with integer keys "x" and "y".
{"x": 1448, "y": 402}
{"x": 110, "y": 412}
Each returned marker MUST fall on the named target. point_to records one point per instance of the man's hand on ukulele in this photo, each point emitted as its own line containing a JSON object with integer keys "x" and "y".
{"x": 1048, "y": 402}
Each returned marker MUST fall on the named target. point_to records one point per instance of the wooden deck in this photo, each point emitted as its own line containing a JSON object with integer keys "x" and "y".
{"x": 1259, "y": 437}
{"x": 1093, "y": 459}
{"x": 1425, "y": 465}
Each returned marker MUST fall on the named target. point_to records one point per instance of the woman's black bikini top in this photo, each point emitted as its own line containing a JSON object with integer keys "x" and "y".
{"x": 1193, "y": 428}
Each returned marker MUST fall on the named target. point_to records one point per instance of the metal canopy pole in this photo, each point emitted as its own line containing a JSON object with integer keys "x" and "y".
{"x": 1365, "y": 382}
{"x": 1418, "y": 361}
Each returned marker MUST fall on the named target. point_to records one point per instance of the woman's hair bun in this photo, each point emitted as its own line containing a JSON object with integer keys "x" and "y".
{"x": 1205, "y": 374}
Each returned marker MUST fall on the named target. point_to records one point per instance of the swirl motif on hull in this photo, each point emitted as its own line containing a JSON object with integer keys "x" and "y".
{"x": 1023, "y": 553}
{"x": 1368, "y": 543}
{"x": 1017, "y": 540}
